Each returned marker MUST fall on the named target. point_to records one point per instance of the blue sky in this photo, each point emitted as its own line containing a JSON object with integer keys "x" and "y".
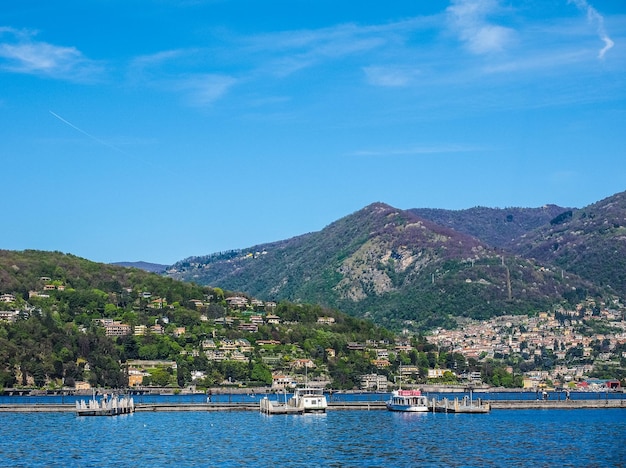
{"x": 159, "y": 129}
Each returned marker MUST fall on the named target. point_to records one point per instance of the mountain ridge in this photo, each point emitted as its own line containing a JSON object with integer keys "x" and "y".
{"x": 394, "y": 266}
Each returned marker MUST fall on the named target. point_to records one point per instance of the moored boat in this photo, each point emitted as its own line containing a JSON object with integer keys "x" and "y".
{"x": 411, "y": 401}
{"x": 311, "y": 400}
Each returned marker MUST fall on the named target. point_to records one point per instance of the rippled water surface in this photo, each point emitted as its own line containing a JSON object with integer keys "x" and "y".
{"x": 339, "y": 438}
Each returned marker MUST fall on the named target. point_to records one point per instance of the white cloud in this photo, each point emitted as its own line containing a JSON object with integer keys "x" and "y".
{"x": 20, "y": 53}
{"x": 204, "y": 89}
{"x": 594, "y": 17}
{"x": 390, "y": 76}
{"x": 468, "y": 19}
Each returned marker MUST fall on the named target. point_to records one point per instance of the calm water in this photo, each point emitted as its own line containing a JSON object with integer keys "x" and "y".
{"x": 339, "y": 438}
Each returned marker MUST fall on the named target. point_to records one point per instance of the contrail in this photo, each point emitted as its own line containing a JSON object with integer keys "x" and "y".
{"x": 594, "y": 16}
{"x": 89, "y": 135}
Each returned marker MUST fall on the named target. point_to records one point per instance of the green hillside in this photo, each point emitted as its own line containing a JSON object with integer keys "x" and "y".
{"x": 66, "y": 320}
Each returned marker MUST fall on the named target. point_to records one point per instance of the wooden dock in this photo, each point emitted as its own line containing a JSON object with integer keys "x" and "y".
{"x": 460, "y": 406}
{"x": 558, "y": 404}
{"x": 267, "y": 406}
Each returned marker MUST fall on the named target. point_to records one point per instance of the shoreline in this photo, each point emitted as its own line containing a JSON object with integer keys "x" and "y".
{"x": 425, "y": 388}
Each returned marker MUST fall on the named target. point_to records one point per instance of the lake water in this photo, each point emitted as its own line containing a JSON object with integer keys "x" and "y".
{"x": 336, "y": 439}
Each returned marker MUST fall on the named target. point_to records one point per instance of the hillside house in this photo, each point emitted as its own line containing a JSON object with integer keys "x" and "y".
{"x": 135, "y": 377}
{"x": 282, "y": 382}
{"x": 238, "y": 302}
{"x": 354, "y": 346}
{"x": 158, "y": 303}
{"x": 115, "y": 328}
{"x": 273, "y": 319}
{"x": 436, "y": 373}
{"x": 215, "y": 355}
{"x": 325, "y": 320}
{"x": 9, "y": 315}
{"x": 409, "y": 370}
{"x": 302, "y": 363}
{"x": 208, "y": 344}
{"x": 7, "y": 298}
{"x": 374, "y": 382}
{"x": 381, "y": 363}
{"x": 256, "y": 303}
{"x": 248, "y": 327}
{"x": 244, "y": 345}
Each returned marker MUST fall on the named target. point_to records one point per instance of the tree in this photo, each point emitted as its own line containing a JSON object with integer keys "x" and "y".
{"x": 160, "y": 377}
{"x": 183, "y": 374}
{"x": 261, "y": 373}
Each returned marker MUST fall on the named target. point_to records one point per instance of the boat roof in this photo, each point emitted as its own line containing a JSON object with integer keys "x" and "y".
{"x": 409, "y": 393}
{"x": 309, "y": 391}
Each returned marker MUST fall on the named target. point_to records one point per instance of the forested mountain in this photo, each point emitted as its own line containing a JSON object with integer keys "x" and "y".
{"x": 590, "y": 242}
{"x": 498, "y": 227}
{"x": 392, "y": 266}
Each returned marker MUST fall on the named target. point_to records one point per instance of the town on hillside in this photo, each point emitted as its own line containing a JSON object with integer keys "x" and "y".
{"x": 239, "y": 341}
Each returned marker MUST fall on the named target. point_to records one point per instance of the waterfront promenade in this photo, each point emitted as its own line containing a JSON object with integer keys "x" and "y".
{"x": 332, "y": 406}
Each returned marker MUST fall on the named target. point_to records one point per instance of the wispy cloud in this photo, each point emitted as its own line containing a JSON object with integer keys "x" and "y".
{"x": 287, "y": 52}
{"x": 469, "y": 20}
{"x": 594, "y": 17}
{"x": 21, "y": 53}
{"x": 276, "y": 55}
{"x": 204, "y": 89}
{"x": 390, "y": 76}
{"x": 174, "y": 70}
{"x": 537, "y": 61}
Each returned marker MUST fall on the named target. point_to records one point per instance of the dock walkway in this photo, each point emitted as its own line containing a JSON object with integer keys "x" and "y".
{"x": 332, "y": 406}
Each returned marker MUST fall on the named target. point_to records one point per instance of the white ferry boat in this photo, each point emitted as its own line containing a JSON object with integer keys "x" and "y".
{"x": 408, "y": 401}
{"x": 311, "y": 400}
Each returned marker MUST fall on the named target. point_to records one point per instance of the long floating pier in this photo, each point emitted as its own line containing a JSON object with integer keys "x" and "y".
{"x": 332, "y": 406}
